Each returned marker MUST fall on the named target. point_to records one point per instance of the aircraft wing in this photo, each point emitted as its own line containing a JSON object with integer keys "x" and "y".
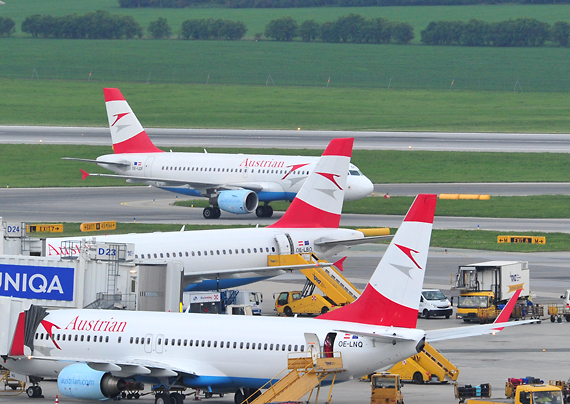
{"x": 388, "y": 338}
{"x": 115, "y": 163}
{"x": 203, "y": 187}
{"x": 328, "y": 244}
{"x": 195, "y": 277}
{"x": 137, "y": 366}
{"x": 461, "y": 332}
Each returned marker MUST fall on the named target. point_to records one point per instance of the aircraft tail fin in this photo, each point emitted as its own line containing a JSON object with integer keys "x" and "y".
{"x": 392, "y": 296}
{"x": 319, "y": 201}
{"x": 127, "y": 133}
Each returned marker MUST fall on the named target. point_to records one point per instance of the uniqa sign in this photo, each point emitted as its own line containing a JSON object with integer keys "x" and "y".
{"x": 36, "y": 282}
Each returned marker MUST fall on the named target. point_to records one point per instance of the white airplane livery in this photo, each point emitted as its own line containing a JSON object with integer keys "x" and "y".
{"x": 94, "y": 353}
{"x": 232, "y": 257}
{"x": 234, "y": 183}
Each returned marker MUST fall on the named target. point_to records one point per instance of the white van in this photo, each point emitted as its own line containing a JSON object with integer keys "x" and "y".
{"x": 434, "y": 303}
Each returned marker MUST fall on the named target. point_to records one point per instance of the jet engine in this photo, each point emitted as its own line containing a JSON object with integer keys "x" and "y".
{"x": 80, "y": 381}
{"x": 240, "y": 201}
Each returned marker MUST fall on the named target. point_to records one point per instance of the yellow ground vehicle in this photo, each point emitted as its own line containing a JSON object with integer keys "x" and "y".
{"x": 386, "y": 389}
{"x": 486, "y": 285}
{"x": 337, "y": 290}
{"x": 428, "y": 365}
{"x": 527, "y": 394}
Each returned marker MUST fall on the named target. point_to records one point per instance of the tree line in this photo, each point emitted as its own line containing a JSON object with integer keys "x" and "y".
{"x": 319, "y": 3}
{"x": 349, "y": 28}
{"x": 517, "y": 32}
{"x": 7, "y": 26}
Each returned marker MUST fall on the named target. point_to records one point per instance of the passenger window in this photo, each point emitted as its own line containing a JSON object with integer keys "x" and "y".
{"x": 249, "y": 250}
{"x": 289, "y": 348}
{"x": 224, "y": 252}
{"x": 107, "y": 339}
{"x": 199, "y": 254}
{"x": 247, "y": 346}
{"x": 147, "y": 340}
{"x": 205, "y": 252}
{"x": 186, "y": 253}
{"x": 162, "y": 256}
{"x": 230, "y": 251}
{"x": 88, "y": 338}
{"x": 165, "y": 341}
{"x": 76, "y": 338}
{"x": 255, "y": 250}
{"x": 137, "y": 340}
{"x": 179, "y": 342}
{"x": 271, "y": 347}
{"x": 118, "y": 339}
{"x": 218, "y": 252}
{"x": 185, "y": 342}
{"x": 265, "y": 346}
{"x": 235, "y": 345}
{"x": 81, "y": 338}
{"x": 241, "y": 345}
{"x": 296, "y": 346}
{"x": 211, "y": 252}
{"x": 259, "y": 346}
{"x": 203, "y": 343}
{"x": 228, "y": 344}
{"x": 154, "y": 255}
{"x": 242, "y": 251}
{"x": 215, "y": 344}
{"x": 283, "y": 347}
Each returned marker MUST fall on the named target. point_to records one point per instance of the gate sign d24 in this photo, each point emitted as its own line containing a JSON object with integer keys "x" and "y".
{"x": 521, "y": 239}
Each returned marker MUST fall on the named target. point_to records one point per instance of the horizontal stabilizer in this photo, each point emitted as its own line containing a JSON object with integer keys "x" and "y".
{"x": 114, "y": 163}
{"x": 388, "y": 338}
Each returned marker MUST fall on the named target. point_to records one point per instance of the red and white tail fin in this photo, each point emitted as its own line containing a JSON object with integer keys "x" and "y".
{"x": 319, "y": 201}
{"x": 127, "y": 133}
{"x": 392, "y": 296}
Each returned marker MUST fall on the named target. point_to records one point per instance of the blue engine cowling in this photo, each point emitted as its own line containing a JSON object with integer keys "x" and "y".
{"x": 80, "y": 381}
{"x": 240, "y": 201}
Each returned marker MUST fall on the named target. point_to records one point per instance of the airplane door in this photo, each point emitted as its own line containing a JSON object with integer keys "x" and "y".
{"x": 284, "y": 243}
{"x": 148, "y": 343}
{"x": 158, "y": 345}
{"x": 313, "y": 344}
{"x": 148, "y": 166}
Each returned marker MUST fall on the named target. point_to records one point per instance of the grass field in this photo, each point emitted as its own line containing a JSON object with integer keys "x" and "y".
{"x": 288, "y": 64}
{"x": 257, "y": 19}
{"x": 68, "y": 103}
{"x": 41, "y": 166}
{"x": 479, "y": 239}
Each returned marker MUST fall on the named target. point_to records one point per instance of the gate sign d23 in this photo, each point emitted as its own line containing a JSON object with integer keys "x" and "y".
{"x": 97, "y": 226}
{"x": 521, "y": 239}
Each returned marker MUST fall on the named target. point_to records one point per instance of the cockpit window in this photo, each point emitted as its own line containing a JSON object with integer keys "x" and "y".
{"x": 353, "y": 172}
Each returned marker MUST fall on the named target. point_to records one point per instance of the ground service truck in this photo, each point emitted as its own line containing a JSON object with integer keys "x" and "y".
{"x": 523, "y": 394}
{"x": 486, "y": 285}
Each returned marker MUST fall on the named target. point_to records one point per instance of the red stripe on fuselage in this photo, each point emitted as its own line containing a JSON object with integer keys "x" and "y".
{"x": 375, "y": 309}
{"x": 302, "y": 215}
{"x": 140, "y": 143}
{"x": 19, "y": 335}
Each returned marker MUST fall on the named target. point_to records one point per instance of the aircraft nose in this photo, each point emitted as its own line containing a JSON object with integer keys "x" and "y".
{"x": 366, "y": 187}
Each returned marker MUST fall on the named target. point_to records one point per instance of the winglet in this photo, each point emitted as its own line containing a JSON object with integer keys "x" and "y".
{"x": 506, "y": 312}
{"x": 127, "y": 133}
{"x": 84, "y": 174}
{"x": 319, "y": 201}
{"x": 392, "y": 296}
{"x": 17, "y": 348}
{"x": 340, "y": 264}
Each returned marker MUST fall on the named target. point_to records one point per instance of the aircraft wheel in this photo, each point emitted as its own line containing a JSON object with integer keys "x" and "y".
{"x": 288, "y": 312}
{"x": 208, "y": 394}
{"x": 269, "y": 211}
{"x": 208, "y": 213}
{"x": 31, "y": 391}
{"x": 177, "y": 398}
{"x": 260, "y": 211}
{"x": 162, "y": 398}
{"x": 239, "y": 396}
{"x": 217, "y": 213}
{"x": 417, "y": 378}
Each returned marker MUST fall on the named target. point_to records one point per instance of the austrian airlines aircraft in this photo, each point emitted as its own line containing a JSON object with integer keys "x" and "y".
{"x": 232, "y": 257}
{"x": 234, "y": 183}
{"x": 94, "y": 352}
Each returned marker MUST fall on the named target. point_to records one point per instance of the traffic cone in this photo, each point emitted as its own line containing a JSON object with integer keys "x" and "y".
{"x": 56, "y": 400}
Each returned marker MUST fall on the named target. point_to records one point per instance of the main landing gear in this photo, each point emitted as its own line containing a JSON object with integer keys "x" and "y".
{"x": 243, "y": 394}
{"x": 212, "y": 212}
{"x": 169, "y": 398}
{"x": 264, "y": 211}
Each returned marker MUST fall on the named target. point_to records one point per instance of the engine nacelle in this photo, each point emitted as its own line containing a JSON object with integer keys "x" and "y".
{"x": 239, "y": 201}
{"x": 80, "y": 381}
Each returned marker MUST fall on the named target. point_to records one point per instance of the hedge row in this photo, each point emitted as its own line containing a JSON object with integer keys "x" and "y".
{"x": 318, "y": 3}
{"x": 519, "y": 32}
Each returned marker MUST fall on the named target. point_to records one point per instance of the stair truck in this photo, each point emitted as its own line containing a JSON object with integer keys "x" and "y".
{"x": 486, "y": 285}
{"x": 337, "y": 290}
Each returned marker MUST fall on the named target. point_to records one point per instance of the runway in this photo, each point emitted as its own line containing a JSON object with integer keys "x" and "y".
{"x": 298, "y": 139}
{"x": 151, "y": 205}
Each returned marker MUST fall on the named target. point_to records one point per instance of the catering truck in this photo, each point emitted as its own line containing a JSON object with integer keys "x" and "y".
{"x": 217, "y": 302}
{"x": 486, "y": 285}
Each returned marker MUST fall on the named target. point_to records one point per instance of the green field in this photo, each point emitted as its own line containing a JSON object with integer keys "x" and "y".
{"x": 270, "y": 63}
{"x": 68, "y": 103}
{"x": 257, "y": 19}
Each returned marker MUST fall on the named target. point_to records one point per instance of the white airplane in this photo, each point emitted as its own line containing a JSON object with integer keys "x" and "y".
{"x": 93, "y": 353}
{"x": 234, "y": 183}
{"x": 220, "y": 259}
